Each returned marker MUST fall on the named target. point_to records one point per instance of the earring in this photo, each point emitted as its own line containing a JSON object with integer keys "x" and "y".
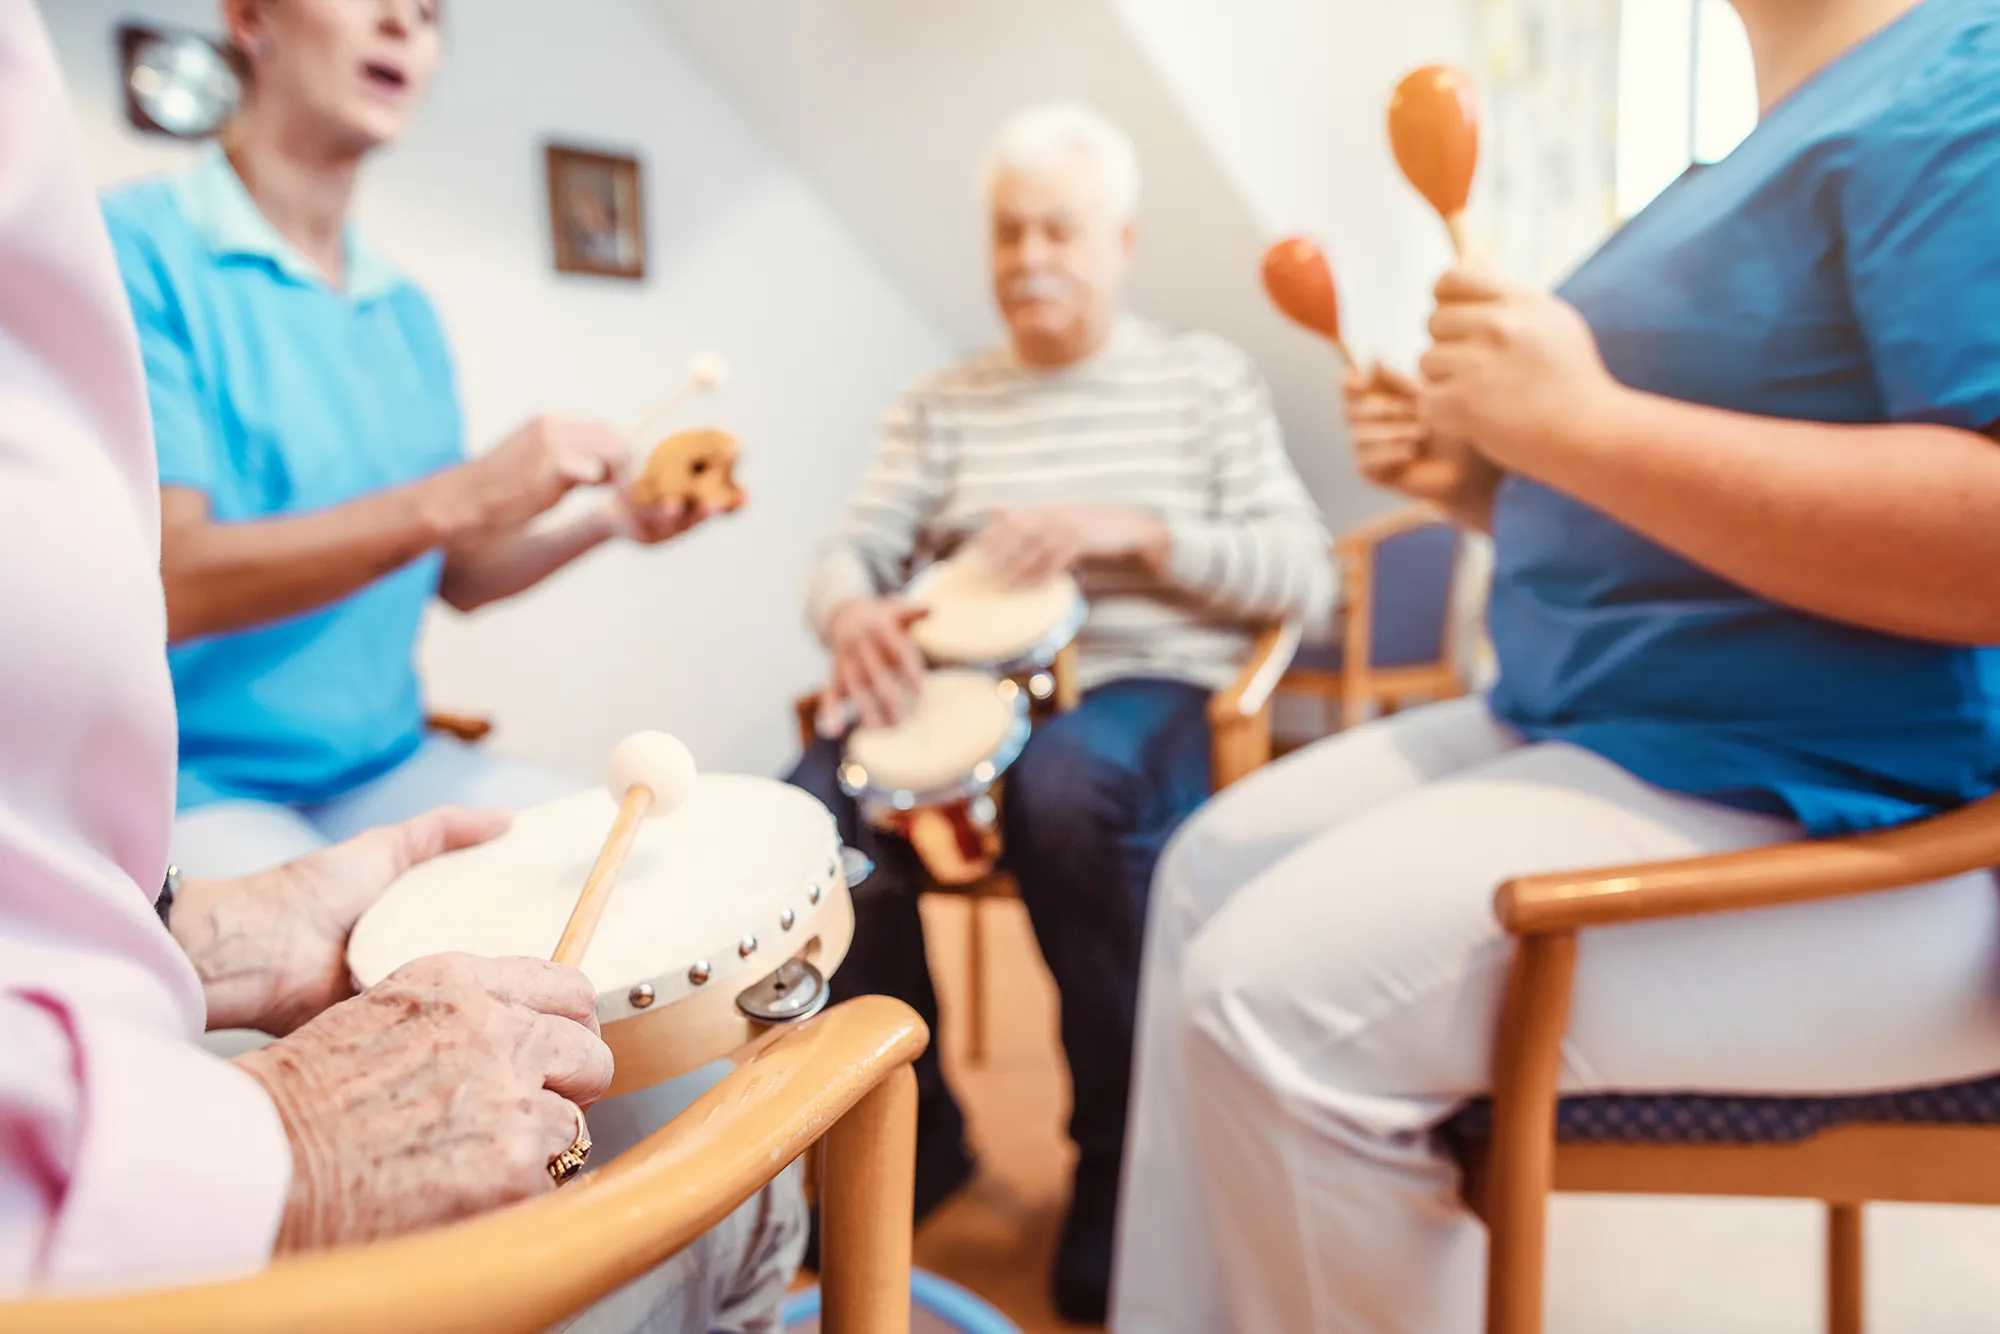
{"x": 260, "y": 47}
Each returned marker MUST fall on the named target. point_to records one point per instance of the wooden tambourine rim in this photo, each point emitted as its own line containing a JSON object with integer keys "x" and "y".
{"x": 669, "y": 1040}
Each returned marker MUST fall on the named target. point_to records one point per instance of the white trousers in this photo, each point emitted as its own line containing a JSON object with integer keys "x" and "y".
{"x": 1322, "y": 983}
{"x": 232, "y": 838}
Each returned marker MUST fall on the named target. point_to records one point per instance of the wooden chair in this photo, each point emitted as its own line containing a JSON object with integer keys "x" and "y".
{"x": 844, "y": 1076}
{"x": 463, "y": 726}
{"x": 1239, "y": 720}
{"x": 1938, "y": 1146}
{"x": 1398, "y": 580}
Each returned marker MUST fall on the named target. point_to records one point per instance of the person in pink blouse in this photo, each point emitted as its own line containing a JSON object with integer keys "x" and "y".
{"x": 128, "y": 1155}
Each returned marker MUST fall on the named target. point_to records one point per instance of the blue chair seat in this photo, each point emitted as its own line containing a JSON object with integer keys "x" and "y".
{"x": 1714, "y": 1118}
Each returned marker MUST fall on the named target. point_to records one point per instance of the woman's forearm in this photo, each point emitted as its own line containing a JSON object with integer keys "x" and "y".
{"x": 488, "y": 571}
{"x": 230, "y": 576}
{"x": 1892, "y": 528}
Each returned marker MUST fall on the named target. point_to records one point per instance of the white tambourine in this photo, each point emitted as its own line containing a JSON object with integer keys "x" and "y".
{"x": 728, "y": 917}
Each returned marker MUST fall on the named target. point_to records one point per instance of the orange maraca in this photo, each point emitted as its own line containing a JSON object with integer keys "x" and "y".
{"x": 1300, "y": 283}
{"x": 1434, "y": 130}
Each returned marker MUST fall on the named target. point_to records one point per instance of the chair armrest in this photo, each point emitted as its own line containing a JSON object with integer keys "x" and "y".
{"x": 1246, "y": 696}
{"x": 807, "y": 709}
{"x": 461, "y": 725}
{"x": 526, "y": 1267}
{"x": 1965, "y": 840}
{"x": 1385, "y": 526}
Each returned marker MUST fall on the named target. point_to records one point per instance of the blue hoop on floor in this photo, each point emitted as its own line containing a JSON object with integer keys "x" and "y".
{"x": 938, "y": 1296}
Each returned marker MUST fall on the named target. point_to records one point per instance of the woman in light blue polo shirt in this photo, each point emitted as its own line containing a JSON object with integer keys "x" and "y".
{"x": 315, "y": 492}
{"x": 1744, "y": 494}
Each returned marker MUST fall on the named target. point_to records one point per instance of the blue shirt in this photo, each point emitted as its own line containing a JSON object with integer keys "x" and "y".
{"x": 275, "y": 396}
{"x": 1842, "y": 266}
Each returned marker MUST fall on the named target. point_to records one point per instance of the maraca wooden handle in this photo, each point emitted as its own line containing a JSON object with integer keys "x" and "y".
{"x": 596, "y": 894}
{"x": 1461, "y": 238}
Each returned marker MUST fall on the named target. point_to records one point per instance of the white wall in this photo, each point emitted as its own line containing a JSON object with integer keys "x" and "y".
{"x": 703, "y": 637}
{"x": 887, "y": 104}
{"x": 1292, "y": 96}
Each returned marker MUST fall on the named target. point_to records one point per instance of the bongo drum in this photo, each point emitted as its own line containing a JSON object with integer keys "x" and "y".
{"x": 730, "y": 914}
{"x": 931, "y": 777}
{"x": 974, "y": 620}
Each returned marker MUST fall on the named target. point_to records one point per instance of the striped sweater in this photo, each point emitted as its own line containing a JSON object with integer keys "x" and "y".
{"x": 1175, "y": 423}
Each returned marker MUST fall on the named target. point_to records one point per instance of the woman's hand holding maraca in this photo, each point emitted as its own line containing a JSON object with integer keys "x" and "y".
{"x": 1516, "y": 369}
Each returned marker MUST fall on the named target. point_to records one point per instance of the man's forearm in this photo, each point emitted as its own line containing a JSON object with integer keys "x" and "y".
{"x": 478, "y": 573}
{"x": 1255, "y": 568}
{"x": 230, "y": 576}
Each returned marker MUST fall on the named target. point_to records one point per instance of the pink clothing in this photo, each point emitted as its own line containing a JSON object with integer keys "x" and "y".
{"x": 127, "y": 1154}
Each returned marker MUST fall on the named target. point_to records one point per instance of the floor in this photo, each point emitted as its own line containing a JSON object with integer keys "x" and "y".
{"x": 1619, "y": 1265}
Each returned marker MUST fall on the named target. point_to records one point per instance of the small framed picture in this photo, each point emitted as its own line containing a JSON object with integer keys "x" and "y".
{"x": 596, "y": 213}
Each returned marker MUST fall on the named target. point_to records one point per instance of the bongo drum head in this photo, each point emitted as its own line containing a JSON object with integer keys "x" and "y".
{"x": 739, "y": 858}
{"x": 962, "y": 720}
{"x": 974, "y": 618}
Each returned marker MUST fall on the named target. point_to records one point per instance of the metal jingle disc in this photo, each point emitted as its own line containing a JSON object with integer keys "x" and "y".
{"x": 796, "y": 991}
{"x": 855, "y": 866}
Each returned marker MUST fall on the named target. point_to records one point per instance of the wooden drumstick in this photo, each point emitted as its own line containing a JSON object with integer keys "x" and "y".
{"x": 651, "y": 774}
{"x": 705, "y": 371}
{"x": 1434, "y": 130}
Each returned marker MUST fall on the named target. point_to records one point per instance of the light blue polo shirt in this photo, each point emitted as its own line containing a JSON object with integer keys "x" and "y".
{"x": 276, "y": 395}
{"x": 1843, "y": 266}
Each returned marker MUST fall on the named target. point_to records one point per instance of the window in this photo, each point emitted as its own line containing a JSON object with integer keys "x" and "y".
{"x": 1686, "y": 92}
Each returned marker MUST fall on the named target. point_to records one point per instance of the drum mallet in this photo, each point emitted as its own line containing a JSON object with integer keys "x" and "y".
{"x": 650, "y": 774}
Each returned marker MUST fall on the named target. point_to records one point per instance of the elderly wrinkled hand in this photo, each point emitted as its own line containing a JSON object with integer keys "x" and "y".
{"x": 271, "y": 948}
{"x": 1031, "y": 546}
{"x": 441, "y": 1092}
{"x": 877, "y": 669}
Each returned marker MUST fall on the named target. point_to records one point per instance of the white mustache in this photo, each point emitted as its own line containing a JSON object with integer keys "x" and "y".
{"x": 1036, "y": 287}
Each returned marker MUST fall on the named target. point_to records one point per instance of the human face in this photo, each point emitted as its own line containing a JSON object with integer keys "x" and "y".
{"x": 344, "y": 74}
{"x": 1059, "y": 260}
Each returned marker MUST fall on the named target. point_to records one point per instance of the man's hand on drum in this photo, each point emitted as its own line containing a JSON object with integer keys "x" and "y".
{"x": 441, "y": 1092}
{"x": 1031, "y": 546}
{"x": 271, "y": 948}
{"x": 1515, "y": 368}
{"x": 877, "y": 668}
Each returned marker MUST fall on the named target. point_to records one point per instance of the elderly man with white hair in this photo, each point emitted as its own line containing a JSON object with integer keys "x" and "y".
{"x": 1146, "y": 461}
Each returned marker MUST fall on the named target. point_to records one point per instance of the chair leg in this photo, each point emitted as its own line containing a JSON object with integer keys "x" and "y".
{"x": 975, "y": 980}
{"x": 871, "y": 1172}
{"x": 1845, "y": 1266}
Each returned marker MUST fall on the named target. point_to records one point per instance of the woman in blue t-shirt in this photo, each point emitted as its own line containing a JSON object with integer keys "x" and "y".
{"x": 315, "y": 496}
{"x": 1745, "y": 502}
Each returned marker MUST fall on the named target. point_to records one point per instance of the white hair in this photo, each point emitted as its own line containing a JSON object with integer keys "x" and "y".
{"x": 1035, "y": 138}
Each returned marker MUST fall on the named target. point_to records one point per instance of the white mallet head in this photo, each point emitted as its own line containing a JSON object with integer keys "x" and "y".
{"x": 707, "y": 370}
{"x": 655, "y": 761}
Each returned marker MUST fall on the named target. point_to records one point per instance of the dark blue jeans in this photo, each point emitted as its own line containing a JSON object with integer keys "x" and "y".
{"x": 1089, "y": 806}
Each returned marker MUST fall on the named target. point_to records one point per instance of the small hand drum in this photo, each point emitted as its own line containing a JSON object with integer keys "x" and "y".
{"x": 975, "y": 620}
{"x": 730, "y": 914}
{"x": 930, "y": 777}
